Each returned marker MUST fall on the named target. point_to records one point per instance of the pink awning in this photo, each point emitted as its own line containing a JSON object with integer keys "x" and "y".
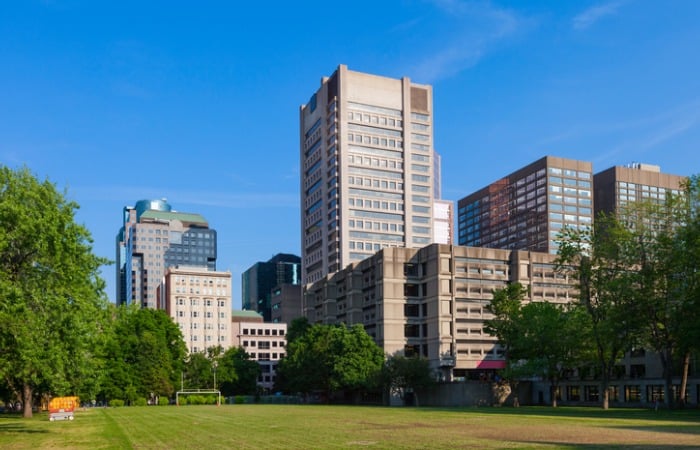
{"x": 488, "y": 364}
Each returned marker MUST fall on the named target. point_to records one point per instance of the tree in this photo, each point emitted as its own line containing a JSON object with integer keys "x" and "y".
{"x": 298, "y": 328}
{"x": 540, "y": 339}
{"x": 667, "y": 258}
{"x": 51, "y": 296}
{"x": 505, "y": 306}
{"x": 551, "y": 340}
{"x": 599, "y": 259}
{"x": 144, "y": 355}
{"x": 687, "y": 280}
{"x": 401, "y": 375}
{"x": 330, "y": 358}
{"x": 237, "y": 373}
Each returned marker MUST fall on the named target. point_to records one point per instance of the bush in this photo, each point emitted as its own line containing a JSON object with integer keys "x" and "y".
{"x": 163, "y": 401}
{"x": 140, "y": 402}
{"x": 197, "y": 400}
{"x": 182, "y": 400}
{"x": 115, "y": 402}
{"x": 239, "y": 399}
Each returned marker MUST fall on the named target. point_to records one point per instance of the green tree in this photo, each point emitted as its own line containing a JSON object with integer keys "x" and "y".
{"x": 144, "y": 355}
{"x": 540, "y": 339}
{"x": 199, "y": 371}
{"x": 298, "y": 328}
{"x": 505, "y": 306}
{"x": 666, "y": 259}
{"x": 599, "y": 259}
{"x": 237, "y": 373}
{"x": 401, "y": 375}
{"x": 51, "y": 296}
{"x": 330, "y": 358}
{"x": 687, "y": 278}
{"x": 551, "y": 340}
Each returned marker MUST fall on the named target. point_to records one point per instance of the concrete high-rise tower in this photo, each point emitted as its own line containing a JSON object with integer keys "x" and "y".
{"x": 367, "y": 169}
{"x": 152, "y": 238}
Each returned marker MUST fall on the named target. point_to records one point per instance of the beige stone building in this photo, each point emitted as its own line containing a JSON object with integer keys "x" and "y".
{"x": 368, "y": 169}
{"x": 433, "y": 301}
{"x": 199, "y": 301}
{"x": 264, "y": 342}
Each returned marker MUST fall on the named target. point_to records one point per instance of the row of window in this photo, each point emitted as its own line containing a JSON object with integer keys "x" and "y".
{"x": 266, "y": 356}
{"x": 375, "y": 162}
{"x": 196, "y": 281}
{"x": 375, "y": 119}
{"x": 207, "y": 314}
{"x": 208, "y": 338}
{"x": 632, "y": 393}
{"x": 570, "y": 173}
{"x": 204, "y": 291}
{"x": 263, "y": 345}
{"x": 263, "y": 332}
{"x": 204, "y": 326}
{"x": 197, "y": 302}
{"x": 150, "y": 231}
{"x": 378, "y": 226}
{"x": 373, "y": 140}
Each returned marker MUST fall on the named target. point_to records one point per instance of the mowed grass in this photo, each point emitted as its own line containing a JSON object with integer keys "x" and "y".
{"x": 321, "y": 427}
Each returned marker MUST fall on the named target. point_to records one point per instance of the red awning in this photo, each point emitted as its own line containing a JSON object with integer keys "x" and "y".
{"x": 486, "y": 364}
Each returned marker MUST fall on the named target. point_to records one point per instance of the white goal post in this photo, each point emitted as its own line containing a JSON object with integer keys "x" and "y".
{"x": 198, "y": 391}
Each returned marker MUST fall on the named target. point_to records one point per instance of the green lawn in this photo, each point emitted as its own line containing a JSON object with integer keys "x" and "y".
{"x": 306, "y": 427}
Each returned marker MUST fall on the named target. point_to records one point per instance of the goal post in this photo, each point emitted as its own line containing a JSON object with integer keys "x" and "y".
{"x": 198, "y": 391}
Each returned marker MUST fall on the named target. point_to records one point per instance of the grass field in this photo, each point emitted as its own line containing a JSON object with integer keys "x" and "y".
{"x": 308, "y": 427}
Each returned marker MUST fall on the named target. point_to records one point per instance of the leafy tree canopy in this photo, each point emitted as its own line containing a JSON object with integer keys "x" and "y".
{"x": 51, "y": 296}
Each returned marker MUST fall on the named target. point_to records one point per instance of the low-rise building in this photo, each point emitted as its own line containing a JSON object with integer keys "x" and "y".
{"x": 433, "y": 301}
{"x": 263, "y": 342}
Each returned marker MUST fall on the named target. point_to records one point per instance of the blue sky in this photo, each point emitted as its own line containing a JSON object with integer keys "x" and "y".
{"x": 198, "y": 101}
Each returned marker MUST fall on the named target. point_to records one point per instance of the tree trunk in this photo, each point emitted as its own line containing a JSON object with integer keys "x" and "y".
{"x": 667, "y": 363}
{"x": 553, "y": 393}
{"x": 27, "y": 405}
{"x": 606, "y": 392}
{"x": 684, "y": 379}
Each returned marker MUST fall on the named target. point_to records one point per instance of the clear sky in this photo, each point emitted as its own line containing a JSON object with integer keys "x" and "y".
{"x": 199, "y": 102}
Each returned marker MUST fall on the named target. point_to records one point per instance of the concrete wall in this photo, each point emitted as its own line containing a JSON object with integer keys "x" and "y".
{"x": 470, "y": 393}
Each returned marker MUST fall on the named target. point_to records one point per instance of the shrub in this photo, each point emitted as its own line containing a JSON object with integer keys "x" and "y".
{"x": 196, "y": 400}
{"x": 163, "y": 401}
{"x": 140, "y": 402}
{"x": 115, "y": 402}
{"x": 239, "y": 399}
{"x": 182, "y": 400}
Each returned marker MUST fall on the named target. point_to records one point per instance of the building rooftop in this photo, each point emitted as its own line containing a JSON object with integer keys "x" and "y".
{"x": 190, "y": 218}
{"x": 241, "y": 315}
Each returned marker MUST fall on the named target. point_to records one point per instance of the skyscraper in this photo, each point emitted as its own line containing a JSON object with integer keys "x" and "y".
{"x": 368, "y": 169}
{"x": 528, "y": 208}
{"x": 618, "y": 186}
{"x": 152, "y": 238}
{"x": 258, "y": 281}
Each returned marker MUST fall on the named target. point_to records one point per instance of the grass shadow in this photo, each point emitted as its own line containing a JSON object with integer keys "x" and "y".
{"x": 16, "y": 427}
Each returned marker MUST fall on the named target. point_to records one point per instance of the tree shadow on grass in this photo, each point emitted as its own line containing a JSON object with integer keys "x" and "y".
{"x": 670, "y": 428}
{"x": 676, "y": 415}
{"x": 567, "y": 445}
{"x": 18, "y": 427}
